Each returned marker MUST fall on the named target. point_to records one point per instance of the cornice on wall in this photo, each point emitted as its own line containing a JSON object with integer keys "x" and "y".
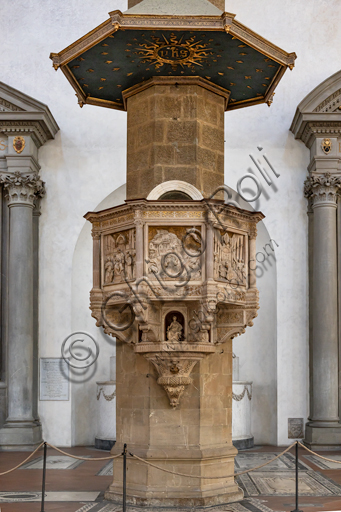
{"x": 218, "y": 3}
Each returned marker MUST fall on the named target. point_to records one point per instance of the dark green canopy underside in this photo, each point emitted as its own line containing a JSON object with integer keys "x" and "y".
{"x": 129, "y": 57}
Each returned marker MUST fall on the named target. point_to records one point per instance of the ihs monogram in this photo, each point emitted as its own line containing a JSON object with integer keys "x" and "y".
{"x": 175, "y": 51}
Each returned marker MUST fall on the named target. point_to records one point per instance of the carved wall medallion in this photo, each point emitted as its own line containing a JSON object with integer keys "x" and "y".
{"x": 18, "y": 144}
{"x": 326, "y": 146}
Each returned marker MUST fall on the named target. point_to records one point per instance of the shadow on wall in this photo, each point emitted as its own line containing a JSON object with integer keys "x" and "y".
{"x": 257, "y": 348}
{"x": 83, "y": 387}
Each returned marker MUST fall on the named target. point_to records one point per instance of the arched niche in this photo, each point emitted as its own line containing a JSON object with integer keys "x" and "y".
{"x": 174, "y": 186}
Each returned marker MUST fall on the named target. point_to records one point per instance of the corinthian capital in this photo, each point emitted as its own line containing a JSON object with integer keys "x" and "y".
{"x": 22, "y": 188}
{"x": 322, "y": 189}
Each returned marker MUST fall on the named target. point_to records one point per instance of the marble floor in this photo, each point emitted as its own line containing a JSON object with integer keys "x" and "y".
{"x": 78, "y": 486}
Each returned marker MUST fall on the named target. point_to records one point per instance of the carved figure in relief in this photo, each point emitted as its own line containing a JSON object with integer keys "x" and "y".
{"x": 119, "y": 263}
{"x": 167, "y": 256}
{"x": 174, "y": 330}
{"x": 129, "y": 265}
{"x": 109, "y": 271}
{"x": 229, "y": 257}
{"x": 120, "y": 255}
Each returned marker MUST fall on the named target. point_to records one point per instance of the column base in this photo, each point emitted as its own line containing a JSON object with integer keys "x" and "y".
{"x": 148, "y": 486}
{"x": 326, "y": 437}
{"x": 20, "y": 437}
{"x": 243, "y": 443}
{"x": 231, "y": 495}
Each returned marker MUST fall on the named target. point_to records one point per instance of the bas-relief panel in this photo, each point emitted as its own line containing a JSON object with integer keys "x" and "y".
{"x": 119, "y": 256}
{"x": 174, "y": 252}
{"x": 229, "y": 257}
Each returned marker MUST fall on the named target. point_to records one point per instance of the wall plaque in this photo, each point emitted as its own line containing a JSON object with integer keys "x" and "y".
{"x": 54, "y": 379}
{"x": 295, "y": 428}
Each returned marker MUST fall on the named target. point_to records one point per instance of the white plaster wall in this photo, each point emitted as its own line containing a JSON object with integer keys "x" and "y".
{"x": 84, "y": 404}
{"x": 87, "y": 161}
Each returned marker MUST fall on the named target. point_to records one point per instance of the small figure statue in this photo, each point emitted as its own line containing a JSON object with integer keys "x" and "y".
{"x": 174, "y": 330}
{"x": 129, "y": 265}
{"x": 109, "y": 271}
{"x": 119, "y": 263}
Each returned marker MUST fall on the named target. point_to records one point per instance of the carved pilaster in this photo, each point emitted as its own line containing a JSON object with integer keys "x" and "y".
{"x": 322, "y": 190}
{"x": 139, "y": 243}
{"x": 21, "y": 189}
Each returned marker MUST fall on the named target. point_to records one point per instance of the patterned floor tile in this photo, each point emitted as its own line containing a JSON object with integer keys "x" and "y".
{"x": 282, "y": 483}
{"x": 324, "y": 464}
{"x": 107, "y": 470}
{"x": 53, "y": 462}
{"x": 58, "y": 496}
{"x": 247, "y": 505}
{"x": 252, "y": 460}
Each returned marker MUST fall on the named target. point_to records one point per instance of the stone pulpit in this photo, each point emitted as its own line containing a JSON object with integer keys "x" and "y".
{"x": 171, "y": 279}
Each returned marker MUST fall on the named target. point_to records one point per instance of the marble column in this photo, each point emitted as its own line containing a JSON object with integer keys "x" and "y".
{"x": 323, "y": 428}
{"x": 20, "y": 427}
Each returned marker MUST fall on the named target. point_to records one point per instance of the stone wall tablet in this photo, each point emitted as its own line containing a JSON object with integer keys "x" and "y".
{"x": 54, "y": 379}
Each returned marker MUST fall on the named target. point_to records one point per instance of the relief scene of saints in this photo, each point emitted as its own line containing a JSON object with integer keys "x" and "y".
{"x": 229, "y": 258}
{"x": 119, "y": 257}
{"x": 174, "y": 253}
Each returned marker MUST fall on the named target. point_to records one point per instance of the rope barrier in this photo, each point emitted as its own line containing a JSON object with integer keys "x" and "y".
{"x": 22, "y": 463}
{"x": 84, "y": 458}
{"x": 212, "y": 477}
{"x": 167, "y": 470}
{"x": 317, "y": 455}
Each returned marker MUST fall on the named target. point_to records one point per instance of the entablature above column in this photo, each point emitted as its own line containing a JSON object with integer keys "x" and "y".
{"x": 23, "y": 116}
{"x": 317, "y": 123}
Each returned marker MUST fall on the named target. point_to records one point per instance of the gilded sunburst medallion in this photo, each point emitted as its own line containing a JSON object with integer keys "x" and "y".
{"x": 174, "y": 51}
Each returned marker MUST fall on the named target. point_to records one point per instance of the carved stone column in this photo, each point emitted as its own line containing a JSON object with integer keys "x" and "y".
{"x": 20, "y": 427}
{"x": 323, "y": 428}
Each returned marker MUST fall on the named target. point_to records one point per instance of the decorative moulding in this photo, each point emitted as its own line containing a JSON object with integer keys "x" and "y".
{"x": 170, "y": 186}
{"x": 319, "y": 113}
{"x": 21, "y": 114}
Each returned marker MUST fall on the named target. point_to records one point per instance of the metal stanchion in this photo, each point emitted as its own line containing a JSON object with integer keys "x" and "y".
{"x": 296, "y": 469}
{"x": 124, "y": 478}
{"x": 44, "y": 480}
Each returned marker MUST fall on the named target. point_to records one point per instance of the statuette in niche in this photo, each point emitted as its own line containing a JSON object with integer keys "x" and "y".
{"x": 174, "y": 330}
